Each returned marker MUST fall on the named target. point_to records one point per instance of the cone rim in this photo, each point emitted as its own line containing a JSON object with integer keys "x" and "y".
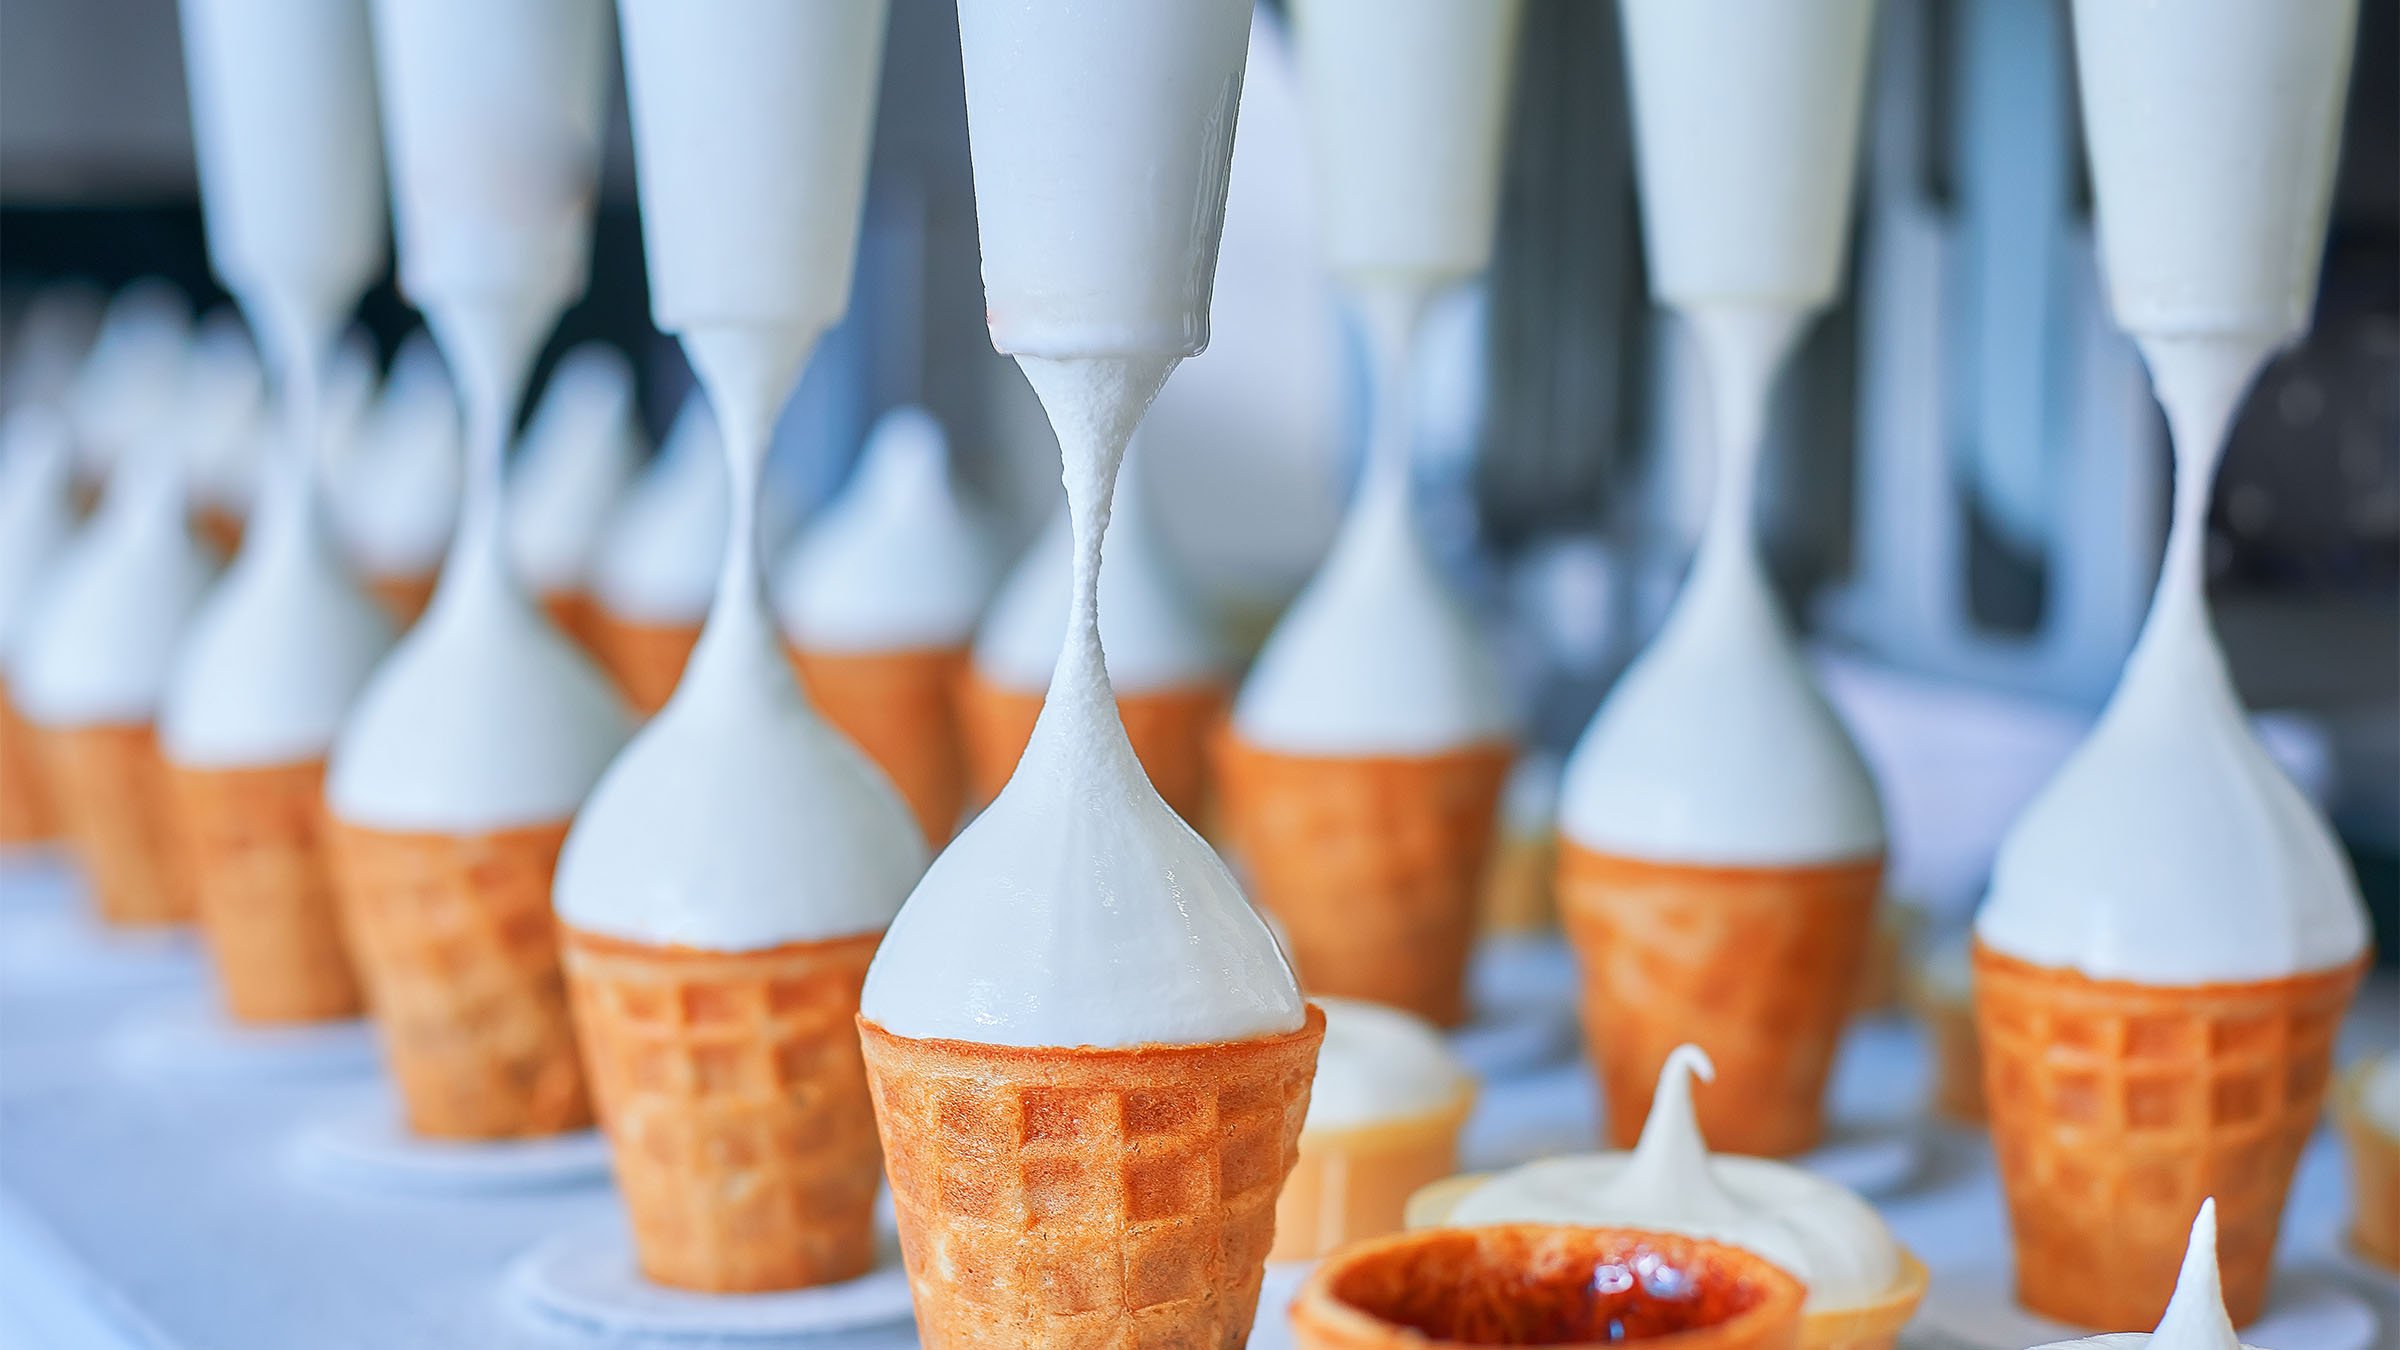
{"x": 1312, "y": 1026}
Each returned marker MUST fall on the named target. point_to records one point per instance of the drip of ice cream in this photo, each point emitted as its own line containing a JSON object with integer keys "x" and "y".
{"x": 485, "y": 717}
{"x": 1157, "y": 634}
{"x": 738, "y": 819}
{"x": 659, "y": 557}
{"x": 102, "y": 634}
{"x": 573, "y": 463}
{"x": 2195, "y": 1317}
{"x": 1716, "y": 746}
{"x": 902, "y": 560}
{"x": 37, "y": 515}
{"x": 1832, "y": 1240}
{"x": 395, "y": 492}
{"x": 125, "y": 391}
{"x": 1380, "y": 1064}
{"x": 2171, "y": 849}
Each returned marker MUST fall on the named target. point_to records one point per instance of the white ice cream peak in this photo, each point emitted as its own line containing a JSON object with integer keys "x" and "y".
{"x": 2195, "y": 1318}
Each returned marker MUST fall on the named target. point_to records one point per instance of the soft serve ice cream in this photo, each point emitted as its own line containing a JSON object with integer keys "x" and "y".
{"x": 37, "y": 517}
{"x": 1089, "y": 1057}
{"x": 2171, "y": 876}
{"x": 1719, "y": 829}
{"x": 656, "y": 566}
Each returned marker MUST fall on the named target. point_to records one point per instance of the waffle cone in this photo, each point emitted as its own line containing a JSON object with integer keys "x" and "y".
{"x": 645, "y": 659}
{"x": 1373, "y": 865}
{"x": 454, "y": 937}
{"x": 736, "y": 1106}
{"x": 109, "y": 784}
{"x": 2374, "y": 1172}
{"x": 575, "y": 614}
{"x": 1755, "y": 965}
{"x": 403, "y": 595}
{"x": 2116, "y": 1108}
{"x": 220, "y": 528}
{"x": 901, "y": 708}
{"x": 253, "y": 839}
{"x": 27, "y": 814}
{"x": 1088, "y": 1197}
{"x": 1170, "y": 730}
{"x": 1354, "y": 1184}
{"x": 1535, "y": 1284}
{"x": 1518, "y": 891}
{"x": 1957, "y": 1057}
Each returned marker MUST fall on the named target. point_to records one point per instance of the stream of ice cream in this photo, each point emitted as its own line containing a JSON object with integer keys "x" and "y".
{"x": 485, "y": 717}
{"x": 1832, "y": 1240}
{"x": 2171, "y": 849}
{"x": 292, "y": 192}
{"x": 902, "y": 560}
{"x": 1078, "y": 910}
{"x": 738, "y": 819}
{"x": 2195, "y": 1318}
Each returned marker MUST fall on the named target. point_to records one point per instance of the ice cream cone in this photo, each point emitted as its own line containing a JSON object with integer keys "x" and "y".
{"x": 901, "y": 708}
{"x": 1755, "y": 965}
{"x": 253, "y": 839}
{"x": 1354, "y": 1184}
{"x": 1518, "y": 896}
{"x": 109, "y": 784}
{"x": 1373, "y": 865}
{"x": 736, "y": 1106}
{"x": 2116, "y": 1108}
{"x": 1170, "y": 730}
{"x": 645, "y": 659}
{"x": 2374, "y": 1172}
{"x": 575, "y": 614}
{"x": 1088, "y": 1196}
{"x": 1540, "y": 1284}
{"x": 454, "y": 937}
{"x": 404, "y": 597}
{"x": 220, "y": 528}
{"x": 27, "y": 814}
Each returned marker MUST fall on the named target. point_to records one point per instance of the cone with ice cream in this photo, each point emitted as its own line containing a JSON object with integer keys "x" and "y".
{"x": 1169, "y": 665}
{"x": 1371, "y": 738}
{"x": 1721, "y": 840}
{"x": 453, "y": 781}
{"x": 395, "y": 490}
{"x": 879, "y": 598}
{"x": 98, "y": 649}
{"x": 1090, "y": 1061}
{"x": 2366, "y": 1104}
{"x": 656, "y": 567}
{"x": 127, "y": 388}
{"x": 222, "y": 427}
{"x": 37, "y": 519}
{"x": 2195, "y": 1318}
{"x": 574, "y": 462}
{"x": 722, "y": 891}
{"x": 1384, "y": 1117}
{"x": 1863, "y": 1286}
{"x": 2172, "y": 932}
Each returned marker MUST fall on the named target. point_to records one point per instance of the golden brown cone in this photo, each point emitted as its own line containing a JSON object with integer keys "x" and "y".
{"x": 1372, "y": 864}
{"x": 645, "y": 659}
{"x": 1755, "y": 965}
{"x": 220, "y": 529}
{"x": 1518, "y": 894}
{"x": 1537, "y": 1284}
{"x": 254, "y": 841}
{"x": 2116, "y": 1108}
{"x": 901, "y": 708}
{"x": 575, "y": 614}
{"x": 736, "y": 1106}
{"x": 1957, "y": 1057}
{"x": 454, "y": 938}
{"x": 1873, "y": 1325}
{"x": 27, "y": 814}
{"x": 403, "y": 596}
{"x": 109, "y": 784}
{"x": 1170, "y": 730}
{"x": 1088, "y": 1197}
{"x": 1352, "y": 1184}
{"x": 2374, "y": 1172}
